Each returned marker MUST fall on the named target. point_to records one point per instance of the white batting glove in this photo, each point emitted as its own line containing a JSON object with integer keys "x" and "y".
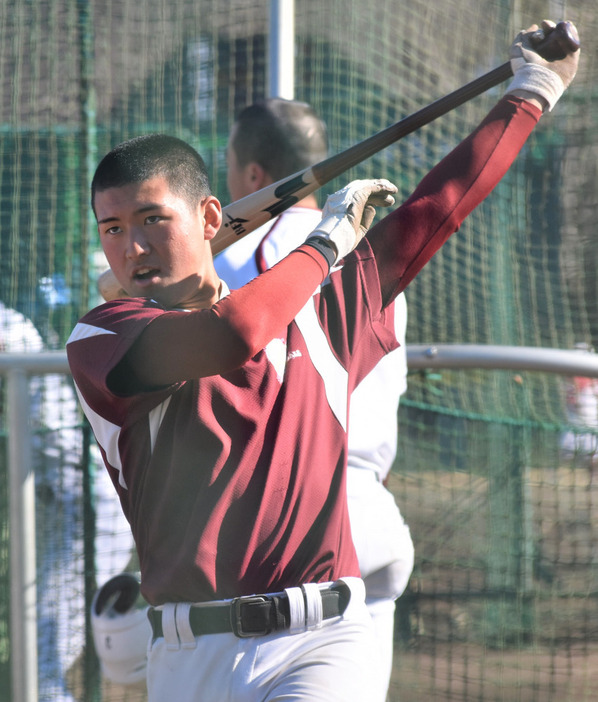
{"x": 349, "y": 213}
{"x": 547, "y": 79}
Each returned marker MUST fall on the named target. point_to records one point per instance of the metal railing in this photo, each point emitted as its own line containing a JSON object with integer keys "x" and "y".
{"x": 17, "y": 368}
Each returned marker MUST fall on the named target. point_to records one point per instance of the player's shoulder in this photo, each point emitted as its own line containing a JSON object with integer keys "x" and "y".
{"x": 296, "y": 213}
{"x": 125, "y": 305}
{"x": 240, "y": 252}
{"x": 115, "y": 316}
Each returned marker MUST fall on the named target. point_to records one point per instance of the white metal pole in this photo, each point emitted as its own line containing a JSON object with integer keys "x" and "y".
{"x": 23, "y": 595}
{"x": 281, "y": 49}
{"x": 525, "y": 358}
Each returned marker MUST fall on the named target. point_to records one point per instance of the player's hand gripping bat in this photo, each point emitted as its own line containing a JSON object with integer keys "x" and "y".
{"x": 243, "y": 216}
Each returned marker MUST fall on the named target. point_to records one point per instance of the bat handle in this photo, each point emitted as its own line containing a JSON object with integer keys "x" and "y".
{"x": 562, "y": 41}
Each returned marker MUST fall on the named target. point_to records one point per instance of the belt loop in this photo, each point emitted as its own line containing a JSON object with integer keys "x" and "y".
{"x": 296, "y": 609}
{"x": 313, "y": 601}
{"x": 171, "y": 638}
{"x": 183, "y": 625}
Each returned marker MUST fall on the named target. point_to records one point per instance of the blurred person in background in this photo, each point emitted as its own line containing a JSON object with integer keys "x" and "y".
{"x": 57, "y": 455}
{"x": 581, "y": 409}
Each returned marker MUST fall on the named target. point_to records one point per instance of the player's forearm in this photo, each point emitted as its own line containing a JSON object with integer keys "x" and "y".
{"x": 179, "y": 346}
{"x": 405, "y": 240}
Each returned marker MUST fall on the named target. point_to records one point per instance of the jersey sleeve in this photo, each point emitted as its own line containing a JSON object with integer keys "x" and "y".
{"x": 97, "y": 345}
{"x": 405, "y": 240}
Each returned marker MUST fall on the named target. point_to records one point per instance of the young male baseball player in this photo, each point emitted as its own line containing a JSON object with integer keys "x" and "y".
{"x": 222, "y": 417}
{"x": 270, "y": 140}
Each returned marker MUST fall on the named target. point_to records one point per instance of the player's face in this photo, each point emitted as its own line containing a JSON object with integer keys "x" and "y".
{"x": 158, "y": 245}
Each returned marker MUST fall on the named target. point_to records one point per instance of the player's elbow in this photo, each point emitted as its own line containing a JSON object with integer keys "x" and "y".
{"x": 240, "y": 351}
{"x": 240, "y": 339}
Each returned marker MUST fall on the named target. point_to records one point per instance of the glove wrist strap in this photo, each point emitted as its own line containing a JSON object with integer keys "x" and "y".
{"x": 325, "y": 247}
{"x": 539, "y": 80}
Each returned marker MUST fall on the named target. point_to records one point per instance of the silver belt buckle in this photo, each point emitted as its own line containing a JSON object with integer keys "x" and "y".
{"x": 236, "y": 617}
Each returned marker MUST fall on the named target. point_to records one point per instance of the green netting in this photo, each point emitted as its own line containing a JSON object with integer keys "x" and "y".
{"x": 502, "y": 602}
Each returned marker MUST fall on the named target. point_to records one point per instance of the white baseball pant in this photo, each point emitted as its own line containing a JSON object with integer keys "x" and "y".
{"x": 332, "y": 660}
{"x": 386, "y": 555}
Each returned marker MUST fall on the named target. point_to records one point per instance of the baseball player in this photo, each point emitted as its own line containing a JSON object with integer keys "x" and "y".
{"x": 581, "y": 408}
{"x": 270, "y": 140}
{"x": 222, "y": 417}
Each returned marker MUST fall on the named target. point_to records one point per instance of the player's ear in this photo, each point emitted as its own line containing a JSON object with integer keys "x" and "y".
{"x": 256, "y": 177}
{"x": 212, "y": 216}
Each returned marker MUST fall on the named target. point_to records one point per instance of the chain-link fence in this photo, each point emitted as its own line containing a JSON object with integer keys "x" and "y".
{"x": 495, "y": 472}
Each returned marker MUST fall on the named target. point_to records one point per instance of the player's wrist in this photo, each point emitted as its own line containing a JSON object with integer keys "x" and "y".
{"x": 325, "y": 247}
{"x": 337, "y": 230}
{"x": 532, "y": 98}
{"x": 541, "y": 82}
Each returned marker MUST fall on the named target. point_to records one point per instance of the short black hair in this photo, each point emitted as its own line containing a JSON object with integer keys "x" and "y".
{"x": 151, "y": 155}
{"x": 283, "y": 136}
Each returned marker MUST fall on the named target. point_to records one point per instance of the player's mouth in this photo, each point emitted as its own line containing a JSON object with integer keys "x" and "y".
{"x": 144, "y": 275}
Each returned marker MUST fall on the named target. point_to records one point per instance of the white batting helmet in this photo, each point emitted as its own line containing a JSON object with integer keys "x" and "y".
{"x": 121, "y": 630}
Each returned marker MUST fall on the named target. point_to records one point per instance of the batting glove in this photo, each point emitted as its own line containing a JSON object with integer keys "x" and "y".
{"x": 547, "y": 79}
{"x": 349, "y": 213}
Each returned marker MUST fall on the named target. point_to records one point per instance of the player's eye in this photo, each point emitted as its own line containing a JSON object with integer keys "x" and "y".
{"x": 113, "y": 230}
{"x": 153, "y": 219}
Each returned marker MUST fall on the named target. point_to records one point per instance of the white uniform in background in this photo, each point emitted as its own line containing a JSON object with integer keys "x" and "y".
{"x": 57, "y": 454}
{"x": 382, "y": 539}
{"x": 581, "y": 412}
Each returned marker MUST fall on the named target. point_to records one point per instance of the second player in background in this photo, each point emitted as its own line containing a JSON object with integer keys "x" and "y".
{"x": 270, "y": 140}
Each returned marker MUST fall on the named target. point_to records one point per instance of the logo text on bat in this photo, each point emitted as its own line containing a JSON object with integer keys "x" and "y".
{"x": 237, "y": 224}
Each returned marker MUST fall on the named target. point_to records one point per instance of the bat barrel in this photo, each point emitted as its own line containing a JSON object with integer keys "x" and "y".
{"x": 338, "y": 164}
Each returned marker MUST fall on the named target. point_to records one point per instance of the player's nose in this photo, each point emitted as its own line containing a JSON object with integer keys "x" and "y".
{"x": 137, "y": 243}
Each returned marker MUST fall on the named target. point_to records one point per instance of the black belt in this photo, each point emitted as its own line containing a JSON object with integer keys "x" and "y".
{"x": 255, "y": 615}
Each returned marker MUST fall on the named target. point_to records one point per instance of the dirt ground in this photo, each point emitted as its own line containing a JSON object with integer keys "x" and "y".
{"x": 449, "y": 657}
{"x": 471, "y": 674}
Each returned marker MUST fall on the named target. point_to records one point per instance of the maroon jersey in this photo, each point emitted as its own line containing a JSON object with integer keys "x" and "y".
{"x": 234, "y": 482}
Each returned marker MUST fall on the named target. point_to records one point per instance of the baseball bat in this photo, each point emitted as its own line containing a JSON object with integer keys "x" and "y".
{"x": 243, "y": 216}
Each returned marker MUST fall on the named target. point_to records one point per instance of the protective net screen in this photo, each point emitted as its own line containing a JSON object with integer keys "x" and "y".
{"x": 495, "y": 472}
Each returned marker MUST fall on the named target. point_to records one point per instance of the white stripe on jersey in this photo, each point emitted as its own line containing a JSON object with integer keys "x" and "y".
{"x": 105, "y": 432}
{"x": 85, "y": 331}
{"x": 155, "y": 420}
{"x": 335, "y": 377}
{"x": 107, "y": 435}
